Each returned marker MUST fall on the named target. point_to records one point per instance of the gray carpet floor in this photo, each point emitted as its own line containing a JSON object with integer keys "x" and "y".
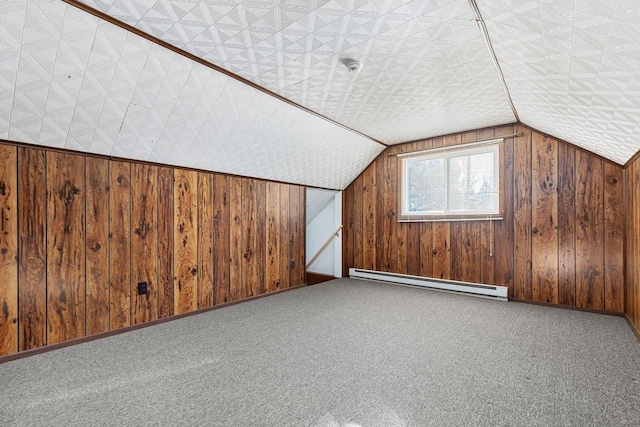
{"x": 343, "y": 353}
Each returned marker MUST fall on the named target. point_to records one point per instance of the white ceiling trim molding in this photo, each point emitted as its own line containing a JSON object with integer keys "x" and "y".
{"x": 573, "y": 69}
{"x": 70, "y": 80}
{"x": 426, "y": 71}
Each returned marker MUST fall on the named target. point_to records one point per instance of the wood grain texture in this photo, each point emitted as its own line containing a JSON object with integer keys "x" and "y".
{"x": 65, "y": 247}
{"x": 165, "y": 242}
{"x": 185, "y": 244}
{"x": 533, "y": 246}
{"x": 544, "y": 240}
{"x": 632, "y": 243}
{"x": 144, "y": 242}
{"x": 120, "y": 245}
{"x": 97, "y": 245}
{"x": 522, "y": 212}
{"x": 272, "y": 262}
{"x": 471, "y": 251}
{"x": 236, "y": 247}
{"x": 206, "y": 269}
{"x": 249, "y": 240}
{"x": 261, "y": 237}
{"x": 358, "y": 221}
{"x": 32, "y": 244}
{"x": 503, "y": 230}
{"x": 221, "y": 239}
{"x": 441, "y": 250}
{"x": 424, "y": 234}
{"x": 296, "y": 233}
{"x": 589, "y": 232}
{"x": 566, "y": 225}
{"x": 413, "y": 248}
{"x": 613, "y": 238}
{"x": 285, "y": 237}
{"x": 8, "y": 250}
{"x": 79, "y": 232}
{"x": 369, "y": 218}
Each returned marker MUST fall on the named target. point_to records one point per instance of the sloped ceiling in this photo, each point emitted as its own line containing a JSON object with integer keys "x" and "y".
{"x": 426, "y": 70}
{"x": 69, "y": 79}
{"x": 572, "y": 68}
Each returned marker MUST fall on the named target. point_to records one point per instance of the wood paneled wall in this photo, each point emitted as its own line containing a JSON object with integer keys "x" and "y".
{"x": 560, "y": 242}
{"x": 632, "y": 253}
{"x": 77, "y": 234}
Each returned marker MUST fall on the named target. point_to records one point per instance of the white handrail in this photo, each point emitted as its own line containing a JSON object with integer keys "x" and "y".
{"x": 334, "y": 234}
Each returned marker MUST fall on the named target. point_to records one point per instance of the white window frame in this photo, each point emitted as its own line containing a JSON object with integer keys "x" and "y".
{"x": 447, "y": 153}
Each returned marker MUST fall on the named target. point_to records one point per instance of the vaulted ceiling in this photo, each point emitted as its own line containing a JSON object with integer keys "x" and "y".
{"x": 71, "y": 79}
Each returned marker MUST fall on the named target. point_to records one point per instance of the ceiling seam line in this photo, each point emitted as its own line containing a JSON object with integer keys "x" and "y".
{"x": 485, "y": 33}
{"x": 131, "y": 29}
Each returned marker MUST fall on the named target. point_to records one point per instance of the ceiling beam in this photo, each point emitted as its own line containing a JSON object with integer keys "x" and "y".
{"x": 487, "y": 40}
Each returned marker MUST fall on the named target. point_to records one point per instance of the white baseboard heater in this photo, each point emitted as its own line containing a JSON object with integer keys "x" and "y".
{"x": 475, "y": 289}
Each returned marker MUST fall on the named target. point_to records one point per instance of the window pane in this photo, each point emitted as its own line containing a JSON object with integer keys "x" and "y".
{"x": 425, "y": 185}
{"x": 471, "y": 183}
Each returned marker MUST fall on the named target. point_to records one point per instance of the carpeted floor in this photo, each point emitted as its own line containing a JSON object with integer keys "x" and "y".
{"x": 342, "y": 353}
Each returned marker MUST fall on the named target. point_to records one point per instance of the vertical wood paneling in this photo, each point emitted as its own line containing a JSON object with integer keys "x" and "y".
{"x": 455, "y": 249}
{"x": 261, "y": 237}
{"x": 32, "y": 246}
{"x": 522, "y": 216}
{"x": 544, "y": 240}
{"x": 424, "y": 234}
{"x": 503, "y": 230}
{"x": 369, "y": 217}
{"x": 485, "y": 232}
{"x": 471, "y": 251}
{"x": 8, "y": 250}
{"x": 441, "y": 250}
{"x": 613, "y": 238}
{"x": 185, "y": 190}
{"x": 249, "y": 241}
{"x": 487, "y": 248}
{"x": 236, "y": 239}
{"x": 97, "y": 245}
{"x": 566, "y": 225}
{"x": 65, "y": 247}
{"x": 301, "y": 237}
{"x": 358, "y": 221}
{"x": 205, "y": 240}
{"x": 221, "y": 239}
{"x": 120, "y": 245}
{"x": 78, "y": 233}
{"x": 144, "y": 242}
{"x": 284, "y": 236}
{"x": 589, "y": 232}
{"x": 272, "y": 261}
{"x": 296, "y": 224}
{"x": 165, "y": 242}
{"x": 533, "y": 246}
{"x": 632, "y": 243}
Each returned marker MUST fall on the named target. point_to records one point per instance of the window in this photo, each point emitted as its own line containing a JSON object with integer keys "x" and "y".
{"x": 452, "y": 183}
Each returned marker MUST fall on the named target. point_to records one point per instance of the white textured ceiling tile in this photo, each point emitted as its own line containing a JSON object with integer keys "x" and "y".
{"x": 12, "y": 21}
{"x": 579, "y": 60}
{"x": 285, "y": 46}
{"x": 41, "y": 36}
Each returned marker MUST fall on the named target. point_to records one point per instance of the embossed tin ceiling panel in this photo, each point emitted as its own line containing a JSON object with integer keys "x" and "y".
{"x": 426, "y": 70}
{"x": 70, "y": 80}
{"x": 573, "y": 68}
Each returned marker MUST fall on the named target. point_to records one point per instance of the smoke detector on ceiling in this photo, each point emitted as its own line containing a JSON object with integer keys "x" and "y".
{"x": 353, "y": 66}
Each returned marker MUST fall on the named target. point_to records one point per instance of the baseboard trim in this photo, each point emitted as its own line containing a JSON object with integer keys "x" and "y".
{"x": 76, "y": 341}
{"x": 315, "y": 278}
{"x": 568, "y": 307}
{"x": 632, "y": 326}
